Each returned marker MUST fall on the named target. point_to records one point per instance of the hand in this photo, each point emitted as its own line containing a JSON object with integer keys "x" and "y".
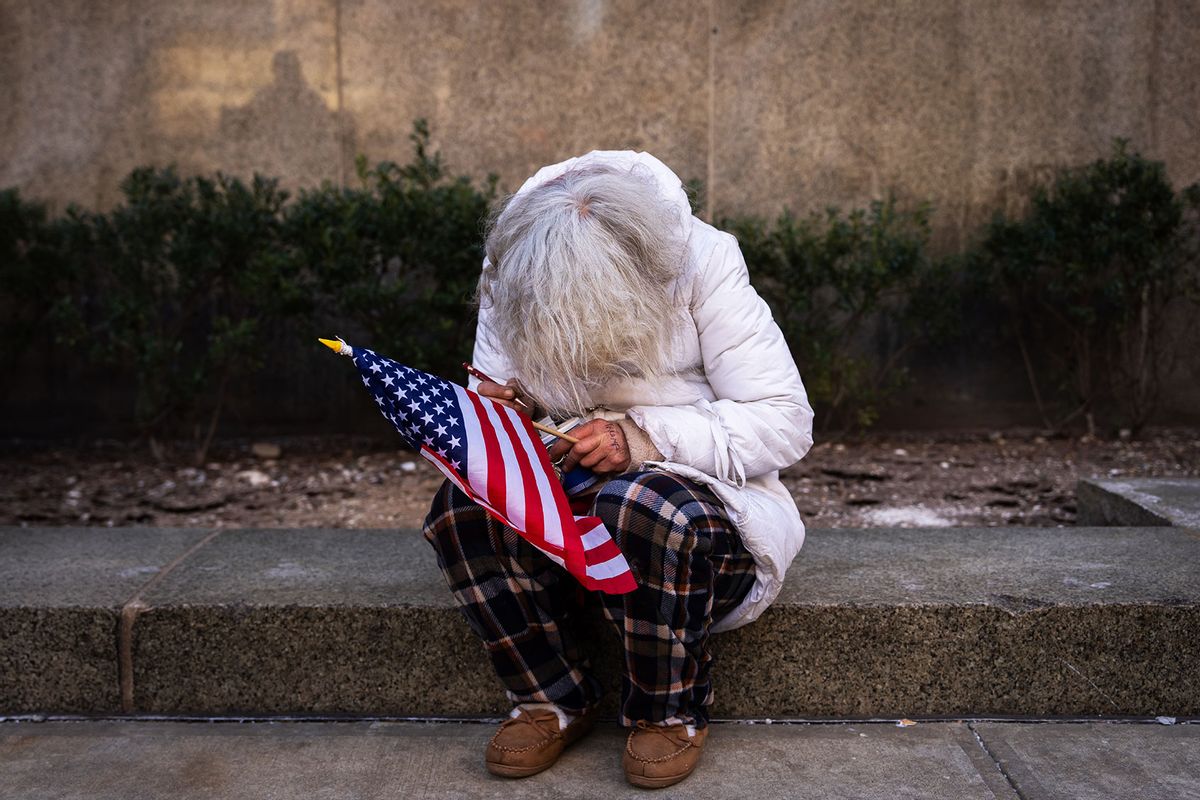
{"x": 507, "y": 394}
{"x": 602, "y": 448}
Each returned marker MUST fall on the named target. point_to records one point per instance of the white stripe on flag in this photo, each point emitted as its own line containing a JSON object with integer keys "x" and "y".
{"x": 607, "y": 569}
{"x": 476, "y": 468}
{"x": 514, "y": 485}
{"x": 550, "y": 517}
{"x": 595, "y": 537}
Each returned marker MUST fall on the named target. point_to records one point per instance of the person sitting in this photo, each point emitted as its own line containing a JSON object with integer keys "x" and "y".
{"x": 603, "y": 297}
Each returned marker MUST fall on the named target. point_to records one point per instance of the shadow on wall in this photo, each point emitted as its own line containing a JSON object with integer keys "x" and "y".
{"x": 285, "y": 130}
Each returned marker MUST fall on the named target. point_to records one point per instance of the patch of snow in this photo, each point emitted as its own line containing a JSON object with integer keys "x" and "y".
{"x": 907, "y": 517}
{"x": 254, "y": 477}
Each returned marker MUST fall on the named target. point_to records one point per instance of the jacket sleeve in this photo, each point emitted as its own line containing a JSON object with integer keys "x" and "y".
{"x": 488, "y": 356}
{"x": 761, "y": 420}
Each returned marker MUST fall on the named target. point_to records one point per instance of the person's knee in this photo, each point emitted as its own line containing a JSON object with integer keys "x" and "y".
{"x": 613, "y": 501}
{"x": 644, "y": 504}
{"x": 456, "y": 523}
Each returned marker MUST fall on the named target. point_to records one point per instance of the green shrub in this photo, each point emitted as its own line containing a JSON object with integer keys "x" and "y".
{"x": 400, "y": 255}
{"x": 183, "y": 281}
{"x": 36, "y": 273}
{"x": 181, "y": 284}
{"x": 833, "y": 277}
{"x": 1088, "y": 277}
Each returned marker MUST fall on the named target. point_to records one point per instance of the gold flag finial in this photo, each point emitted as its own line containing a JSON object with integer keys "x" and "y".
{"x": 340, "y": 347}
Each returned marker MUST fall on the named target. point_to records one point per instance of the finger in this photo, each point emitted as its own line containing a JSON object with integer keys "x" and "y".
{"x": 599, "y": 453}
{"x": 611, "y": 467}
{"x": 588, "y": 429}
{"x": 594, "y": 459}
{"x": 493, "y": 389}
{"x": 602, "y": 458}
{"x": 512, "y": 395}
{"x": 561, "y": 446}
{"x": 581, "y": 449}
{"x": 613, "y": 456}
{"x": 514, "y": 390}
{"x": 559, "y": 449}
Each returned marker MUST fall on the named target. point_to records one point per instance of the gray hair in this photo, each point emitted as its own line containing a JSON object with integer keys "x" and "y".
{"x": 579, "y": 282}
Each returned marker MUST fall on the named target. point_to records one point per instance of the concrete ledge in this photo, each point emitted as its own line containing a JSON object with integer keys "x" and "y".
{"x": 61, "y": 595}
{"x": 1139, "y": 501}
{"x": 882, "y": 622}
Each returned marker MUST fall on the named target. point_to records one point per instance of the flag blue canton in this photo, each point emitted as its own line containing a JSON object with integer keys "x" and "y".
{"x": 422, "y": 407}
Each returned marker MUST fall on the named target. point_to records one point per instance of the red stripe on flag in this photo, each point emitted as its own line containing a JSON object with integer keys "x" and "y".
{"x": 603, "y": 552}
{"x": 534, "y": 520}
{"x": 496, "y": 482}
{"x": 574, "y": 557}
{"x": 576, "y": 563}
{"x": 459, "y": 481}
{"x": 619, "y": 583}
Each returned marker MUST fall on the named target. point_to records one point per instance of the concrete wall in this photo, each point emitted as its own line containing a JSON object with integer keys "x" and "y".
{"x": 772, "y": 103}
{"x": 800, "y": 103}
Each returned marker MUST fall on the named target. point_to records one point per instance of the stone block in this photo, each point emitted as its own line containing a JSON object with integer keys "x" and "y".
{"x": 1139, "y": 501}
{"x": 61, "y": 594}
{"x": 871, "y": 623}
{"x": 974, "y": 621}
{"x": 309, "y": 621}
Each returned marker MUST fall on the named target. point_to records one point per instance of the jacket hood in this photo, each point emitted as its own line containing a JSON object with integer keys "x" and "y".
{"x": 670, "y": 187}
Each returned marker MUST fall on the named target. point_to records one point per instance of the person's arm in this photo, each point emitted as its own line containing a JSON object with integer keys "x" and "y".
{"x": 639, "y": 444}
{"x": 762, "y": 420}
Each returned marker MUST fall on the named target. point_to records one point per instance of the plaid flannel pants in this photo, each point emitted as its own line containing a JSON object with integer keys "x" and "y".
{"x": 690, "y": 566}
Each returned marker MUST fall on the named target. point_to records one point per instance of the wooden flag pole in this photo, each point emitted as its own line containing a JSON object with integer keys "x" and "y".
{"x": 552, "y": 432}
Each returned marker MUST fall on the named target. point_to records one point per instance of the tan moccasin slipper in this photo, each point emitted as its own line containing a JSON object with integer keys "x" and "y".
{"x": 531, "y": 741}
{"x": 660, "y": 755}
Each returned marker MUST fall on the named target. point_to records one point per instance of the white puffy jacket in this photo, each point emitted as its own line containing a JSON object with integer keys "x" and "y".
{"x": 733, "y": 413}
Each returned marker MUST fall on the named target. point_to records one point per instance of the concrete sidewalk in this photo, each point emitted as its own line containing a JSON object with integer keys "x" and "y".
{"x": 140, "y": 760}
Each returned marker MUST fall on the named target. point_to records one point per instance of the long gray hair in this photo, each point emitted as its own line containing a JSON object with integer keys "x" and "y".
{"x": 579, "y": 282}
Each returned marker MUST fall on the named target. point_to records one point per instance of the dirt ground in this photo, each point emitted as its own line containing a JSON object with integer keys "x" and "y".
{"x": 881, "y": 480}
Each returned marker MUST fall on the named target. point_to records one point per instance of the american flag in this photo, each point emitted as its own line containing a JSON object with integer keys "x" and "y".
{"x": 494, "y": 455}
